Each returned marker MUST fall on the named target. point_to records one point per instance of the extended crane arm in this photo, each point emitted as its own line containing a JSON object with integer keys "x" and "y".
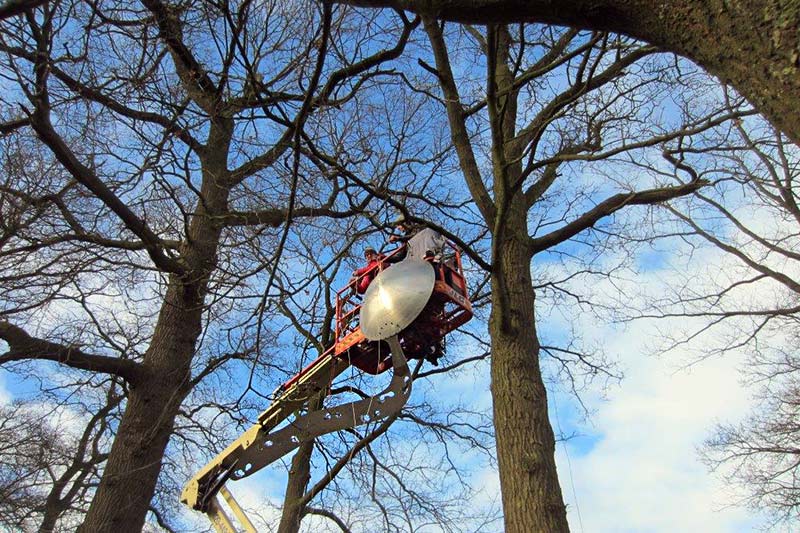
{"x": 393, "y": 312}
{"x": 258, "y": 446}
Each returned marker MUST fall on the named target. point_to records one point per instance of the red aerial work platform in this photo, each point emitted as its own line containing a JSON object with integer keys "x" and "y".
{"x": 447, "y": 308}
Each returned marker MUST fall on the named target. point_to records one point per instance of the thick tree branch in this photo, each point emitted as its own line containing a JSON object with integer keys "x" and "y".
{"x": 9, "y": 8}
{"x": 84, "y": 175}
{"x": 329, "y": 515}
{"x": 540, "y": 186}
{"x": 608, "y": 207}
{"x": 24, "y": 347}
{"x": 192, "y": 74}
{"x": 265, "y": 160}
{"x": 458, "y": 128}
{"x": 13, "y": 125}
{"x": 759, "y": 60}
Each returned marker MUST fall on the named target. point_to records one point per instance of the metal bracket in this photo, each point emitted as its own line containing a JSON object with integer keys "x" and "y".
{"x": 257, "y": 447}
{"x": 270, "y": 447}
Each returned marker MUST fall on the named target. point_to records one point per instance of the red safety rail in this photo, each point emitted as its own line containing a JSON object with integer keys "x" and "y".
{"x": 345, "y": 296}
{"x": 348, "y": 303}
{"x": 449, "y": 308}
{"x": 449, "y": 302}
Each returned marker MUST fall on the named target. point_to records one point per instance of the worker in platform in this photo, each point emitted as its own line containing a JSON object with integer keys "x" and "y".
{"x": 427, "y": 244}
{"x": 367, "y": 273}
{"x": 418, "y": 242}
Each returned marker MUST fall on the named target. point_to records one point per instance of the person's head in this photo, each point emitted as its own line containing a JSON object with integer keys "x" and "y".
{"x": 370, "y": 254}
{"x": 401, "y": 224}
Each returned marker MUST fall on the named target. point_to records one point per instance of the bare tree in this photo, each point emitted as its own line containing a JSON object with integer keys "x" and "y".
{"x": 759, "y": 60}
{"x": 27, "y": 447}
{"x": 179, "y": 138}
{"x": 534, "y": 202}
{"x": 760, "y": 454}
{"x": 718, "y": 35}
{"x": 174, "y": 132}
{"x": 50, "y": 465}
{"x": 747, "y": 301}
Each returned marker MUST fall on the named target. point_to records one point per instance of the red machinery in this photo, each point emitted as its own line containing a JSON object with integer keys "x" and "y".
{"x": 446, "y": 307}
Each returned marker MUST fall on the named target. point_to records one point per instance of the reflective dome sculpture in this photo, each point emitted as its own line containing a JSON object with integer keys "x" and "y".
{"x": 395, "y": 298}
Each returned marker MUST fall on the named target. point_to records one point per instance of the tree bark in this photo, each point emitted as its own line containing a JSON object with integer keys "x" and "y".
{"x": 299, "y": 476}
{"x": 129, "y": 479}
{"x": 11, "y": 8}
{"x": 532, "y": 500}
{"x": 752, "y": 45}
{"x": 52, "y": 510}
{"x": 130, "y": 475}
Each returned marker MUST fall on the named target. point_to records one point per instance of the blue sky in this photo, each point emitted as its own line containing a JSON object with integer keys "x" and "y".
{"x": 633, "y": 464}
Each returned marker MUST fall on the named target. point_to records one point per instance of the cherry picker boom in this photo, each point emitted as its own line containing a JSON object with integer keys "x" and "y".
{"x": 407, "y": 309}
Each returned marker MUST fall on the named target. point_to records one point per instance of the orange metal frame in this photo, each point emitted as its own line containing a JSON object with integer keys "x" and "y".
{"x": 450, "y": 289}
{"x": 448, "y": 308}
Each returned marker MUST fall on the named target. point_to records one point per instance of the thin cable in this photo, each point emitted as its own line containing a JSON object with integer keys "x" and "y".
{"x": 569, "y": 465}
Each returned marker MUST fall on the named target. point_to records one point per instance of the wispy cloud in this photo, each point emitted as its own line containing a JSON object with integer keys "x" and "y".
{"x": 5, "y": 395}
{"x": 637, "y": 468}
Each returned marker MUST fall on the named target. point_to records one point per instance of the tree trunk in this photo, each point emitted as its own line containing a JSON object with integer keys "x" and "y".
{"x": 129, "y": 479}
{"x": 299, "y": 476}
{"x": 54, "y": 506}
{"x": 52, "y": 511}
{"x": 751, "y": 44}
{"x": 532, "y": 500}
{"x": 130, "y": 475}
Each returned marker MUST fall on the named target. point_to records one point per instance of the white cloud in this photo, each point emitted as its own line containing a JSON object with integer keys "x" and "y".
{"x": 5, "y": 394}
{"x": 639, "y": 469}
{"x": 643, "y": 474}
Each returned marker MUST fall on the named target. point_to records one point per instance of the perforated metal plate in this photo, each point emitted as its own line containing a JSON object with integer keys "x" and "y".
{"x": 267, "y": 448}
{"x": 395, "y": 298}
{"x": 260, "y": 445}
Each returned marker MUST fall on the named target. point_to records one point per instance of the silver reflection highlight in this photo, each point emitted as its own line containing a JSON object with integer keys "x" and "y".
{"x": 395, "y": 298}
